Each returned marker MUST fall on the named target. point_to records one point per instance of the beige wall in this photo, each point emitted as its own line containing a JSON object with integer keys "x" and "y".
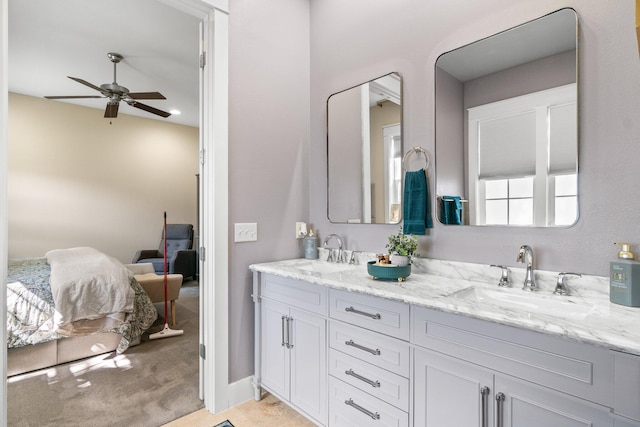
{"x": 76, "y": 180}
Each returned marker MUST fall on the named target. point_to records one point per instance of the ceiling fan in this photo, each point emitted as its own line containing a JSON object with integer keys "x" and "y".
{"x": 116, "y": 93}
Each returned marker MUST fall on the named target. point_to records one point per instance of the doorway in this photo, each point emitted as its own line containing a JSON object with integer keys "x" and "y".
{"x": 213, "y": 172}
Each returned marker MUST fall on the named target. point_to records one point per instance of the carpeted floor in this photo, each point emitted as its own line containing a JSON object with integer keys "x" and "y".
{"x": 150, "y": 385}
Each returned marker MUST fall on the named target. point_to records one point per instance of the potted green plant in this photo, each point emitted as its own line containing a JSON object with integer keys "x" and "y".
{"x": 401, "y": 247}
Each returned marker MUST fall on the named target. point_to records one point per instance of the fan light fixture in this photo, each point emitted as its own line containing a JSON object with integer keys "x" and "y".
{"x": 116, "y": 93}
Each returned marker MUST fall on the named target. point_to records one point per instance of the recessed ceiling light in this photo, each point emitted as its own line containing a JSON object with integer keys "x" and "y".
{"x": 174, "y": 112}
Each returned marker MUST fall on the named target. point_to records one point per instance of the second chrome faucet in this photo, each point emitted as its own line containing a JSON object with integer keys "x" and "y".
{"x": 525, "y": 255}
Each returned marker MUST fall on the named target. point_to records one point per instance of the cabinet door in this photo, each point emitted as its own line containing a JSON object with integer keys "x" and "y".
{"x": 450, "y": 392}
{"x": 275, "y": 355}
{"x": 529, "y": 405}
{"x": 308, "y": 342}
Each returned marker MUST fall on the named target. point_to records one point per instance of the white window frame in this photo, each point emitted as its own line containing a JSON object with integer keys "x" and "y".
{"x": 539, "y": 103}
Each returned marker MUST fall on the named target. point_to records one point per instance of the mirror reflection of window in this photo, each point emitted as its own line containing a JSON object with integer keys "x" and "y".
{"x": 522, "y": 157}
{"x": 392, "y": 172}
{"x": 534, "y": 57}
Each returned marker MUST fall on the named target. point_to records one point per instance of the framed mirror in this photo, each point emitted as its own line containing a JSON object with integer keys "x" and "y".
{"x": 364, "y": 153}
{"x": 507, "y": 127}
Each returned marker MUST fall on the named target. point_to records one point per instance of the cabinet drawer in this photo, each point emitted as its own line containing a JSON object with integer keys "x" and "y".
{"x": 378, "y": 314}
{"x": 350, "y": 407}
{"x": 379, "y": 350}
{"x": 627, "y": 385}
{"x": 297, "y": 293}
{"x": 569, "y": 366}
{"x": 384, "y": 385}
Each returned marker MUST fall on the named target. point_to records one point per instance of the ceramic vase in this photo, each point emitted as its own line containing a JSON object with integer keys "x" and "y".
{"x": 400, "y": 260}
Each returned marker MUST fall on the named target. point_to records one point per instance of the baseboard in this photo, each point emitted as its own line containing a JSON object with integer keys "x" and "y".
{"x": 240, "y": 391}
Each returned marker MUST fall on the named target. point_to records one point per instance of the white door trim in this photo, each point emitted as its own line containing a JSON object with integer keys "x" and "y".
{"x": 4, "y": 232}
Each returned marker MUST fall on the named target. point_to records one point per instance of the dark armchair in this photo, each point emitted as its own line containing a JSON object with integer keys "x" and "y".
{"x": 181, "y": 258}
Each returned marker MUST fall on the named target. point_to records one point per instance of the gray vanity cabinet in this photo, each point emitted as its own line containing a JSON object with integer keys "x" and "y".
{"x": 451, "y": 392}
{"x": 370, "y": 364}
{"x": 524, "y": 404}
{"x": 455, "y": 393}
{"x": 294, "y": 344}
{"x": 488, "y": 375}
{"x": 351, "y": 359}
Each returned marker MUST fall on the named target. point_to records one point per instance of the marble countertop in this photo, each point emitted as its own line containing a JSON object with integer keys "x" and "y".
{"x": 586, "y": 315}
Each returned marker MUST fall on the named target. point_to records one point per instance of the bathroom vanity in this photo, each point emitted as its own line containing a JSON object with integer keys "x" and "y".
{"x": 447, "y": 347}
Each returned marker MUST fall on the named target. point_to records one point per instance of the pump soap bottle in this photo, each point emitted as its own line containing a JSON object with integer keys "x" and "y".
{"x": 311, "y": 246}
{"x": 624, "y": 279}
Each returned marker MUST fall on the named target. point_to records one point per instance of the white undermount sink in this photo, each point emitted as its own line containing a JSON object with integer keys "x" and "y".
{"x": 323, "y": 267}
{"x": 530, "y": 302}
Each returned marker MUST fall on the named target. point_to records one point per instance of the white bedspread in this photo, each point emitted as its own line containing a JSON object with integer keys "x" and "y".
{"x": 88, "y": 284}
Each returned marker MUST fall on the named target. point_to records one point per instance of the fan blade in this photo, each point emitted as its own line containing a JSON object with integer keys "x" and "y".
{"x": 72, "y": 97}
{"x": 146, "y": 95}
{"x": 112, "y": 110}
{"x": 150, "y": 109}
{"x": 86, "y": 83}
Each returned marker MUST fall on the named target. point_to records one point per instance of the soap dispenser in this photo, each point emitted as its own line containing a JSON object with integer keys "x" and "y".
{"x": 624, "y": 278}
{"x": 311, "y": 246}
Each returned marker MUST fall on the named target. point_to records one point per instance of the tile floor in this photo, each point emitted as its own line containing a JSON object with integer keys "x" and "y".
{"x": 269, "y": 412}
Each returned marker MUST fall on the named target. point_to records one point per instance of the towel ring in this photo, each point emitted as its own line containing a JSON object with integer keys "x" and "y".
{"x": 416, "y": 150}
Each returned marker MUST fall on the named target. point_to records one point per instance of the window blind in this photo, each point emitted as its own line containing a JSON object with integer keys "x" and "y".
{"x": 563, "y": 137}
{"x": 507, "y": 146}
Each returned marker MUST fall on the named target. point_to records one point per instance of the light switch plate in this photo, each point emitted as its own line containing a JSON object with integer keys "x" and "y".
{"x": 245, "y": 232}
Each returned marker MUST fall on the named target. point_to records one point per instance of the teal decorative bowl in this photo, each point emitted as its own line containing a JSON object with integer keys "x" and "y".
{"x": 393, "y": 272}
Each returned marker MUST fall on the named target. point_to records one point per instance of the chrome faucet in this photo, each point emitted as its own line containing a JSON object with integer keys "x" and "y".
{"x": 504, "y": 276}
{"x": 525, "y": 255}
{"x": 561, "y": 284}
{"x": 330, "y": 257}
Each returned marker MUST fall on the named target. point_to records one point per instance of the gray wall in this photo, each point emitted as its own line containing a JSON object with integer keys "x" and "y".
{"x": 545, "y": 73}
{"x": 409, "y": 36}
{"x": 450, "y": 134}
{"x": 268, "y": 140}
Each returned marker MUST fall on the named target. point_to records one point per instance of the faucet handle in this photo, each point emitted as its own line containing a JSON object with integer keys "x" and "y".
{"x": 561, "y": 284}
{"x": 330, "y": 256}
{"x": 504, "y": 276}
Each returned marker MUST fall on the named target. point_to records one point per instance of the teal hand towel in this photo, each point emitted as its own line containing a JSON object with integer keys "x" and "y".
{"x": 416, "y": 204}
{"x": 451, "y": 210}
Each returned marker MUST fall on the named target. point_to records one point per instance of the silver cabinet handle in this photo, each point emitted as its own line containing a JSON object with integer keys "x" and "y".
{"x": 362, "y": 313}
{"x": 500, "y": 397}
{"x": 282, "y": 343}
{"x": 375, "y": 352}
{"x": 289, "y": 334}
{"x": 361, "y": 378}
{"x": 373, "y": 415}
{"x": 484, "y": 391}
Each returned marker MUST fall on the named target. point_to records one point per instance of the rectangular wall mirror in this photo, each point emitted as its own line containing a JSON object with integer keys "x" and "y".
{"x": 364, "y": 153}
{"x": 507, "y": 127}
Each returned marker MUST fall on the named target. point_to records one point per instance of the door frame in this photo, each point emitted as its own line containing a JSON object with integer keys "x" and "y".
{"x": 213, "y": 227}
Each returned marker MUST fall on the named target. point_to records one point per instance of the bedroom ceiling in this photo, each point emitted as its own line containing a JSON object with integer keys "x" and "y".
{"x": 50, "y": 40}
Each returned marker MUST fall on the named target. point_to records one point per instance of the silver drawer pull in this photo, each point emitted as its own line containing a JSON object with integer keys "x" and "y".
{"x": 363, "y": 313}
{"x": 289, "y": 333}
{"x": 373, "y": 415}
{"x": 484, "y": 391}
{"x": 282, "y": 343}
{"x": 375, "y": 352}
{"x": 500, "y": 398}
{"x": 372, "y": 383}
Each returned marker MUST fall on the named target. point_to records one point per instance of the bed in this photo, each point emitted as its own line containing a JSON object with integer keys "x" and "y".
{"x": 71, "y": 304}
